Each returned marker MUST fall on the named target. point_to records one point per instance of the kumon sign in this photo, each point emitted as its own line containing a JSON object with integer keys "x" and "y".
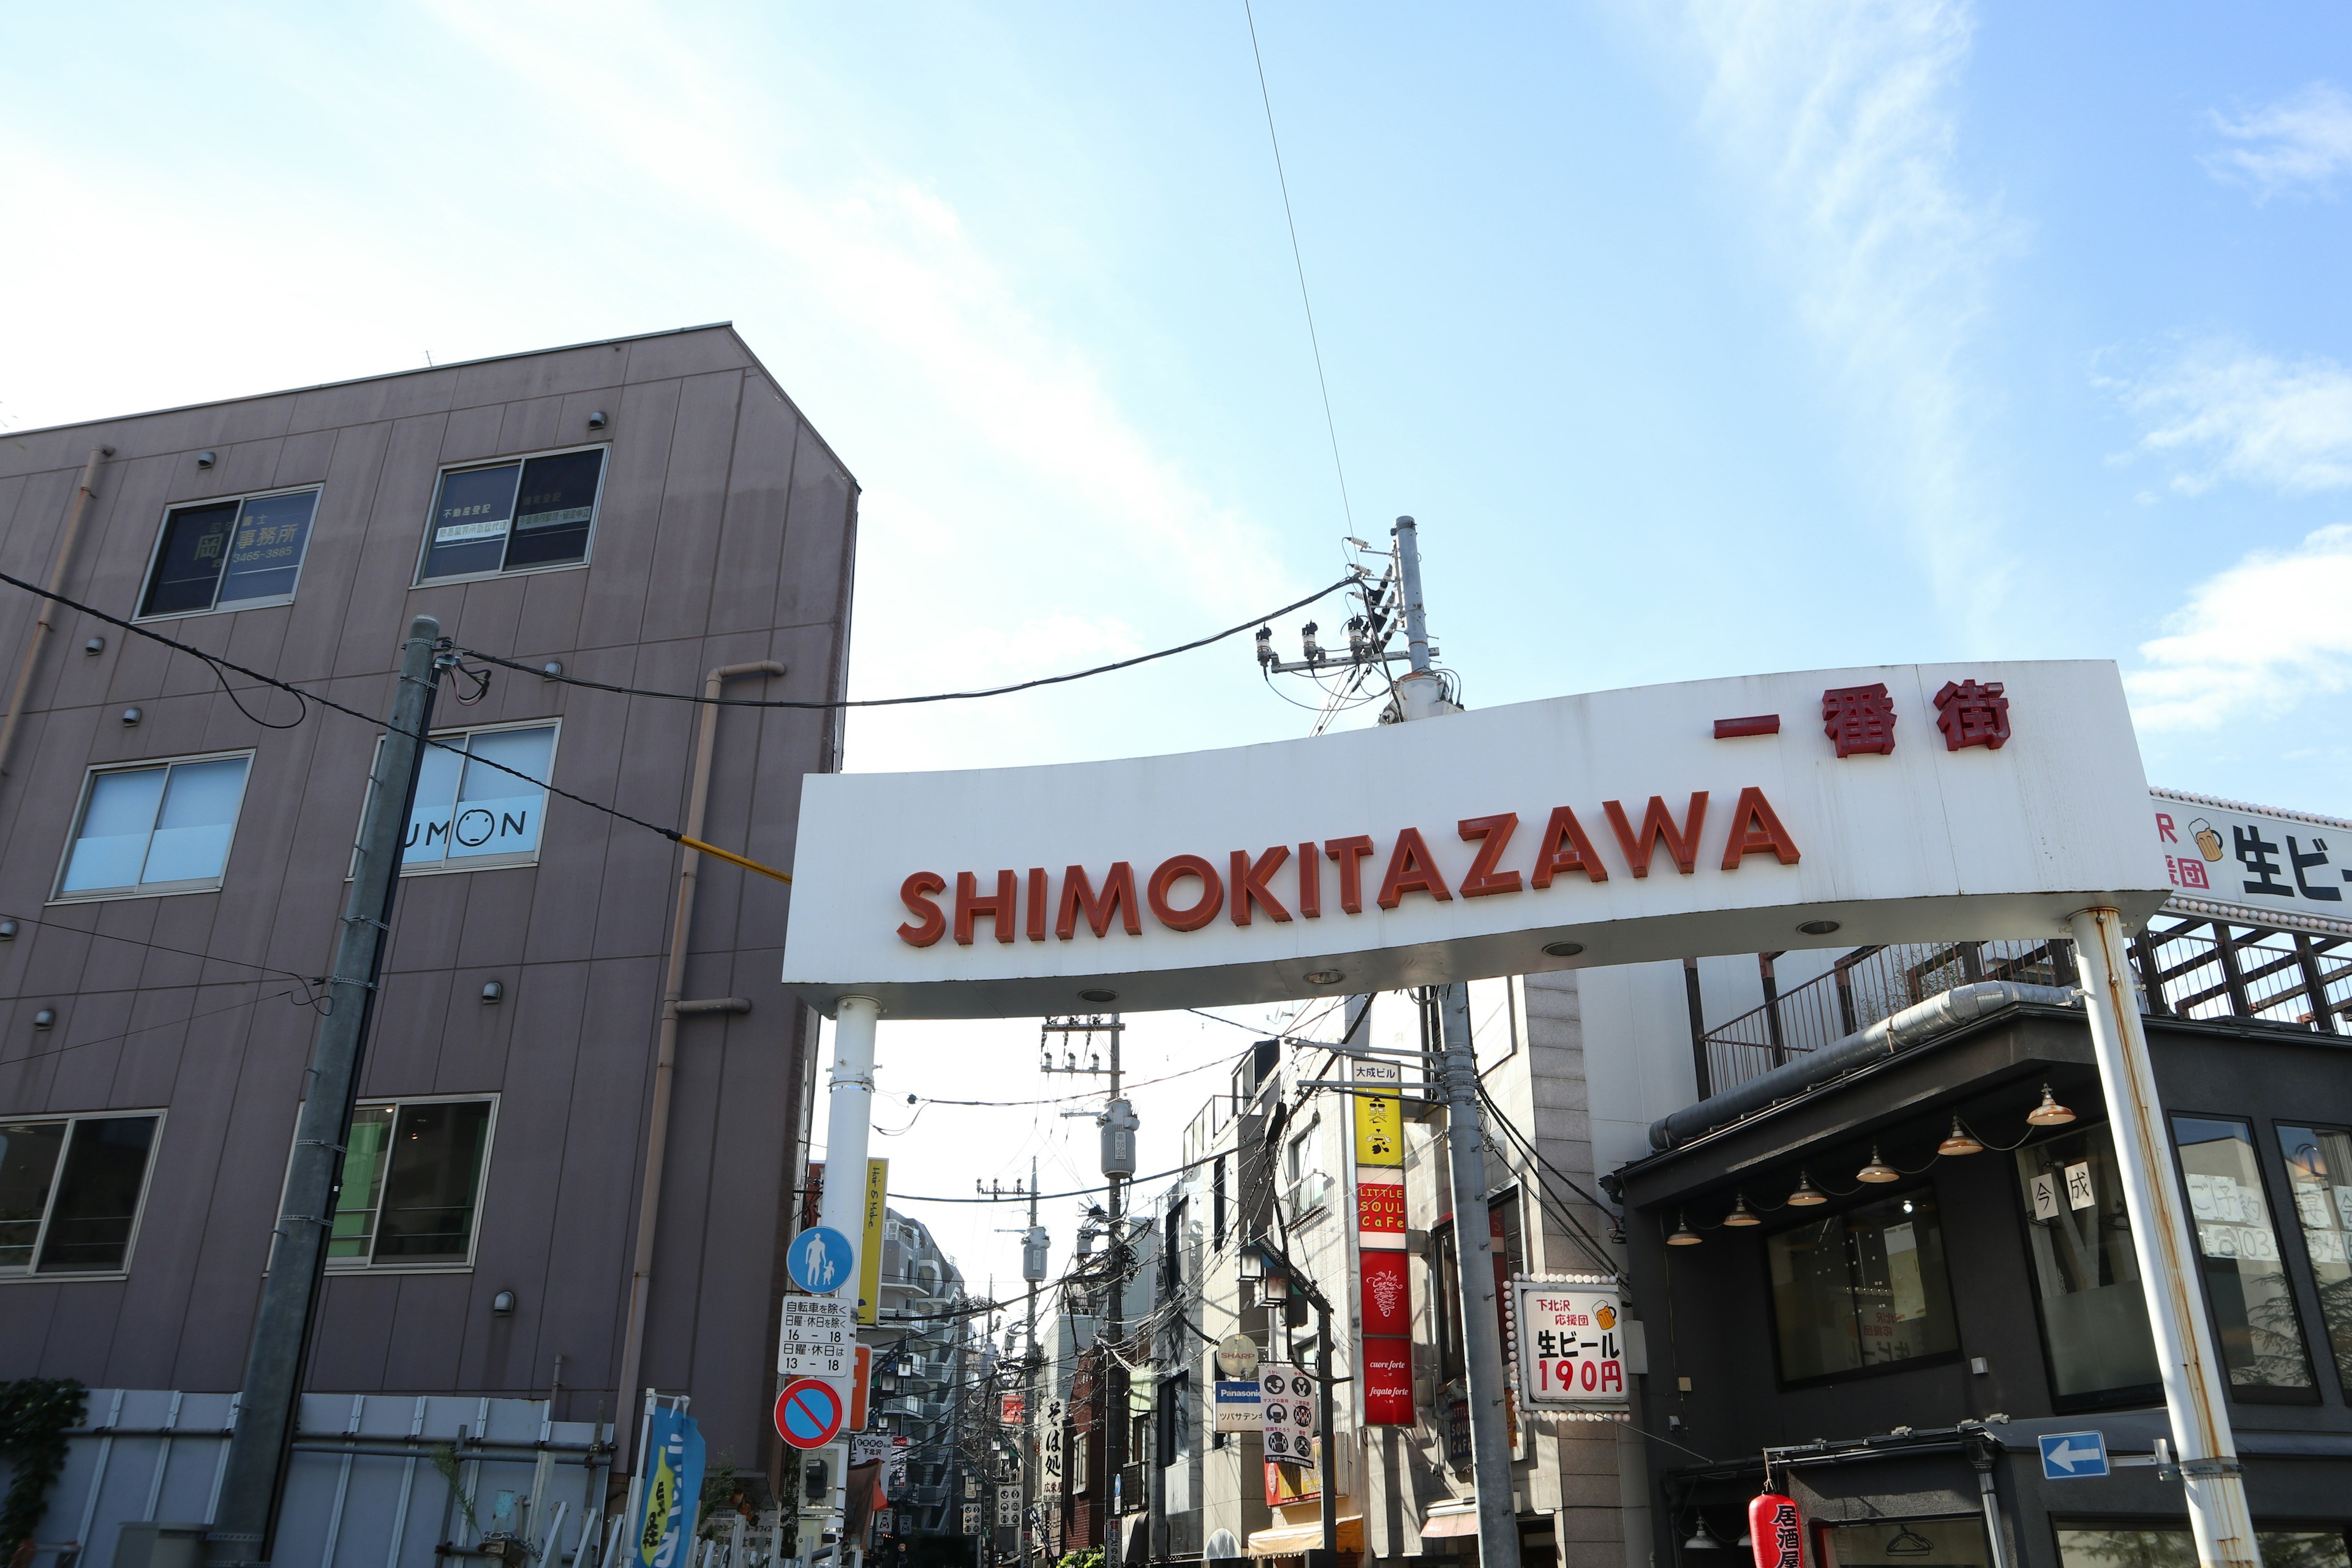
{"x": 1901, "y": 803}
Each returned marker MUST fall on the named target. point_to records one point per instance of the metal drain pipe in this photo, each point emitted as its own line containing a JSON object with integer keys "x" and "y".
{"x": 83, "y": 494}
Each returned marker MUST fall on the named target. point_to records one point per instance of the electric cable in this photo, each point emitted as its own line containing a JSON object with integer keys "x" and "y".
{"x": 1313, "y": 340}
{"x": 219, "y": 664}
{"x": 1586, "y": 1242}
{"x": 902, "y": 701}
{"x": 153, "y": 946}
{"x": 146, "y": 1028}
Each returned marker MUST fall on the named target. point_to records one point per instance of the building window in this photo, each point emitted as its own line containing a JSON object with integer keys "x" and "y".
{"x": 471, "y": 812}
{"x": 2085, "y": 1273}
{"x": 229, "y": 555}
{"x": 2112, "y": 1546}
{"x": 1920, "y": 1542}
{"x": 70, "y": 1191}
{"x": 2237, "y": 1246}
{"x": 514, "y": 516}
{"x": 1304, "y": 1183}
{"x": 1172, "y": 1270}
{"x": 156, "y": 829}
{"x": 411, "y": 1183}
{"x": 1863, "y": 1290}
{"x": 2319, "y": 1170}
{"x": 1175, "y": 1419}
{"x": 1217, "y": 1200}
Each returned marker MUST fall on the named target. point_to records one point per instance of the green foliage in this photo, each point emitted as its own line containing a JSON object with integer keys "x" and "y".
{"x": 1092, "y": 1558}
{"x": 444, "y": 1460}
{"x": 35, "y": 1412}
{"x": 720, "y": 1485}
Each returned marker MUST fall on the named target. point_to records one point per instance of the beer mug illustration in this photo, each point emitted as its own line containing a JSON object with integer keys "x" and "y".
{"x": 2208, "y": 843}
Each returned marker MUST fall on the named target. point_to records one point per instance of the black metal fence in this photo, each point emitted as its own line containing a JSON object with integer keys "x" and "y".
{"x": 2186, "y": 968}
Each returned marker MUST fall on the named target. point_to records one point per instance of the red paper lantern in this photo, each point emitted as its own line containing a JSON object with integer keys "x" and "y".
{"x": 1775, "y": 1531}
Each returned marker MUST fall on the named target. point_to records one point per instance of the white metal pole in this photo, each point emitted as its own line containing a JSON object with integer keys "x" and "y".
{"x": 1419, "y": 690}
{"x": 2187, "y": 1359}
{"x": 849, "y": 1121}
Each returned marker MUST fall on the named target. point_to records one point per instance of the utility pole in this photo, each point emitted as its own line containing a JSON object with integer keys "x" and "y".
{"x": 1419, "y": 695}
{"x": 1119, "y": 1125}
{"x": 246, "y": 1520}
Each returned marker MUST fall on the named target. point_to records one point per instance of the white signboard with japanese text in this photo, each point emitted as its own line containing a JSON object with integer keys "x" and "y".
{"x": 2252, "y": 865}
{"x": 819, "y": 1340}
{"x": 1894, "y": 803}
{"x": 1571, "y": 1345}
{"x": 1237, "y": 1406}
{"x": 1287, "y": 1411}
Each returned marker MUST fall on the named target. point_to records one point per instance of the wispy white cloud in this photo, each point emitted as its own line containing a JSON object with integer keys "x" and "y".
{"x": 2296, "y": 146}
{"x": 2221, "y": 410}
{"x": 1843, "y": 116}
{"x": 2255, "y": 640}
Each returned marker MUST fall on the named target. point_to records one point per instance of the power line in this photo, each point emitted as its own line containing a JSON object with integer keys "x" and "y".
{"x": 219, "y": 664}
{"x": 154, "y": 947}
{"x": 932, "y": 696}
{"x": 1313, "y": 342}
{"x": 145, "y": 1028}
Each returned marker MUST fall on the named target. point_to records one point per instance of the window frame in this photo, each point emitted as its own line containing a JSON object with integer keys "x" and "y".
{"x": 1845, "y": 1207}
{"x": 58, "y": 895}
{"x": 445, "y": 866}
{"x": 2271, "y": 1178}
{"x": 587, "y": 545}
{"x": 164, "y": 526}
{"x": 342, "y": 1267}
{"x": 2341, "y": 1364}
{"x": 2132, "y": 1397}
{"x": 33, "y": 1274}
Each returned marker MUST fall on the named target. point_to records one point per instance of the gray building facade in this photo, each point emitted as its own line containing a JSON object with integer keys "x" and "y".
{"x": 172, "y": 863}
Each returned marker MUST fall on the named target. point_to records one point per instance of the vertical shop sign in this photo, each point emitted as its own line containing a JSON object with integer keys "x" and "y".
{"x": 869, "y": 1263}
{"x": 1383, "y": 1293}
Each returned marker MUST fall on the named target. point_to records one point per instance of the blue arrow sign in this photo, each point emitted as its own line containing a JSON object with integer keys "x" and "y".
{"x": 2066, "y": 1455}
{"x": 819, "y": 1260}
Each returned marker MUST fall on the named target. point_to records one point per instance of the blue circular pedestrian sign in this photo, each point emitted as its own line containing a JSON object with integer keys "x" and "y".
{"x": 819, "y": 1260}
{"x": 808, "y": 1413}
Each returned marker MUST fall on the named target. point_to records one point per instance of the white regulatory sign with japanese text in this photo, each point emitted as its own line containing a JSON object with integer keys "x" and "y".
{"x": 819, "y": 1339}
{"x": 1571, "y": 1345}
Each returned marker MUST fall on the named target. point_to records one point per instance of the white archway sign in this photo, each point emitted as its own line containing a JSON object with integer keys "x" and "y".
{"x": 1813, "y": 808}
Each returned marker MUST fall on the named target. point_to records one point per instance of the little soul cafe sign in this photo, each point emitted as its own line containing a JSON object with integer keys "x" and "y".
{"x": 1903, "y": 804}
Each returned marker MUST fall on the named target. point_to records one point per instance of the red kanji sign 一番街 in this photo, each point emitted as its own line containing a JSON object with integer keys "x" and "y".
{"x": 1859, "y": 719}
{"x": 1972, "y": 713}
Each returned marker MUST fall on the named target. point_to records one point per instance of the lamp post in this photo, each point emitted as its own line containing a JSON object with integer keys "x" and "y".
{"x": 1260, "y": 1261}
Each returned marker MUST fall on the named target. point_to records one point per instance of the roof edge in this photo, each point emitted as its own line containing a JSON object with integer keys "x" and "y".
{"x": 728, "y": 327}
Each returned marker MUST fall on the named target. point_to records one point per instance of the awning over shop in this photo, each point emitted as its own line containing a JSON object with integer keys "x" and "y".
{"x": 1290, "y": 1539}
{"x": 1457, "y": 1521}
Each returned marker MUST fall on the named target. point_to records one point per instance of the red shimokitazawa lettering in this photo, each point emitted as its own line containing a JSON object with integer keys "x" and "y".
{"x": 1564, "y": 848}
{"x": 970, "y": 906}
{"x": 1658, "y": 822}
{"x": 1493, "y": 836}
{"x": 1118, "y": 894}
{"x": 1245, "y": 887}
{"x": 915, "y": 893}
{"x": 1412, "y": 869}
{"x": 1757, "y": 830}
{"x": 1248, "y": 881}
{"x": 1350, "y": 852}
{"x": 1171, "y": 871}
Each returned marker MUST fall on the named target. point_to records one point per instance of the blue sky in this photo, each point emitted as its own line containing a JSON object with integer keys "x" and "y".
{"x": 1701, "y": 338}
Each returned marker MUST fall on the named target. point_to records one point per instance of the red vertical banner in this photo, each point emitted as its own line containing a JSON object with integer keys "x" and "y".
{"x": 1383, "y": 1290}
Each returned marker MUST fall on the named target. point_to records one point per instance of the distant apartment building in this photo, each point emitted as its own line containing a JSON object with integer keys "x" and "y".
{"x": 173, "y": 860}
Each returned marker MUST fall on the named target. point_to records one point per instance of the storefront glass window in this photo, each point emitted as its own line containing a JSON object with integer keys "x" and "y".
{"x": 2253, "y": 1311}
{"x": 2176, "y": 1548}
{"x": 2094, "y": 1310}
{"x": 2319, "y": 1169}
{"x": 1863, "y": 1289}
{"x": 1907, "y": 1544}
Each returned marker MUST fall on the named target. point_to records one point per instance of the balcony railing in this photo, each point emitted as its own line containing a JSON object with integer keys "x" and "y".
{"x": 2186, "y": 968}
